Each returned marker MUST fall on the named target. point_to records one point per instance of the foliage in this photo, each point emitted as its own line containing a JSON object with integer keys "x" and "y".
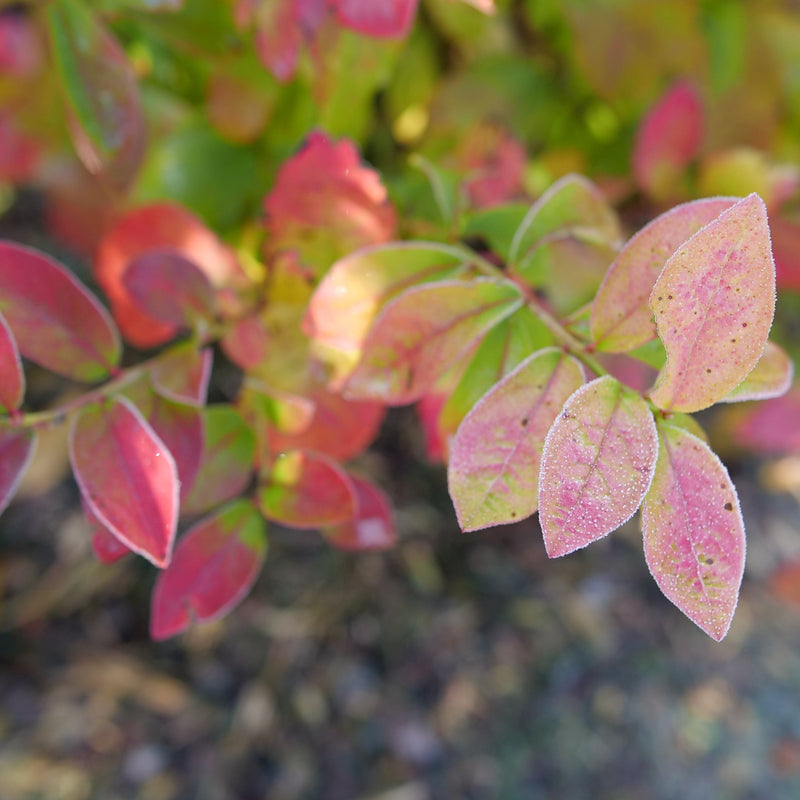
{"x": 553, "y": 359}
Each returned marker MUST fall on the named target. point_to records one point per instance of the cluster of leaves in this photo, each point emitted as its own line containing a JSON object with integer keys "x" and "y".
{"x": 554, "y": 367}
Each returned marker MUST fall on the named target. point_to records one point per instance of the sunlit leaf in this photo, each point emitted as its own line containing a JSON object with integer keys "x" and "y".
{"x": 621, "y": 318}
{"x": 572, "y": 206}
{"x": 12, "y": 378}
{"x": 17, "y": 446}
{"x": 160, "y": 226}
{"x": 226, "y": 460}
{"x": 693, "y": 531}
{"x": 127, "y": 477}
{"x": 182, "y": 374}
{"x": 307, "y": 490}
{"x": 493, "y": 475}
{"x": 385, "y": 19}
{"x": 373, "y": 526}
{"x": 771, "y": 377}
{"x": 713, "y": 305}
{"x": 421, "y": 333}
{"x": 597, "y": 463}
{"x": 170, "y": 288}
{"x": 101, "y": 89}
{"x": 56, "y": 321}
{"x": 216, "y": 563}
{"x": 668, "y": 140}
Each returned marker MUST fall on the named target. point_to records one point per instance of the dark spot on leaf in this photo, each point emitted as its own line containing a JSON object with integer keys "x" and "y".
{"x": 708, "y": 371}
{"x": 513, "y": 514}
{"x": 660, "y": 298}
{"x": 709, "y": 561}
{"x": 728, "y": 506}
{"x": 524, "y": 421}
{"x": 744, "y": 324}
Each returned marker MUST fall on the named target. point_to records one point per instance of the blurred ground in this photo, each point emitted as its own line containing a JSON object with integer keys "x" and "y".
{"x": 457, "y": 666}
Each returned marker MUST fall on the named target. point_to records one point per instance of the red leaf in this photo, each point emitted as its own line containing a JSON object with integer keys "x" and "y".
{"x": 246, "y": 342}
{"x": 127, "y": 477}
{"x": 21, "y": 51}
{"x": 170, "y": 288}
{"x": 19, "y": 154}
{"x": 215, "y": 565}
{"x": 307, "y": 490}
{"x": 772, "y": 426}
{"x": 372, "y": 528}
{"x": 161, "y": 226}
{"x": 667, "y": 141}
{"x": 226, "y": 461}
{"x": 56, "y": 321}
{"x": 495, "y": 162}
{"x": 383, "y": 19}
{"x": 182, "y": 373}
{"x": 786, "y": 250}
{"x": 17, "y": 446}
{"x": 325, "y": 204}
{"x": 106, "y": 546}
{"x": 12, "y": 378}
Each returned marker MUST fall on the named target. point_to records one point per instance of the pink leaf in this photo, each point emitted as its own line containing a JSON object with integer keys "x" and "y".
{"x": 226, "y": 460}
{"x": 170, "y": 288}
{"x": 597, "y": 463}
{"x": 384, "y": 19}
{"x": 215, "y": 565}
{"x": 771, "y": 377}
{"x": 127, "y": 477}
{"x": 772, "y": 426}
{"x": 17, "y": 446}
{"x": 12, "y": 378}
{"x": 56, "y": 321}
{"x": 307, "y": 490}
{"x": 621, "y": 318}
{"x": 668, "y": 140}
{"x": 424, "y": 331}
{"x": 372, "y": 528}
{"x": 325, "y": 204}
{"x": 713, "y": 304}
{"x": 182, "y": 373}
{"x": 493, "y": 474}
{"x": 246, "y": 342}
{"x": 693, "y": 531}
{"x": 106, "y": 546}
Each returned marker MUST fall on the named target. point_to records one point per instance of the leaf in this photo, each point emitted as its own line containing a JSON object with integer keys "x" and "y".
{"x": 384, "y": 19}
{"x": 350, "y": 295}
{"x": 160, "y": 226}
{"x": 772, "y": 426}
{"x": 337, "y": 427}
{"x": 307, "y": 490}
{"x": 668, "y": 140}
{"x": 597, "y": 463}
{"x": 101, "y": 90}
{"x": 12, "y": 378}
{"x": 226, "y": 460}
{"x": 693, "y": 531}
{"x": 771, "y": 377}
{"x": 17, "y": 446}
{"x": 621, "y": 319}
{"x": 572, "y": 206}
{"x": 713, "y": 304}
{"x": 56, "y": 321}
{"x": 325, "y": 203}
{"x": 493, "y": 475}
{"x": 170, "y": 288}
{"x": 246, "y": 342}
{"x": 215, "y": 565}
{"x": 421, "y": 333}
{"x": 373, "y": 526}
{"x": 107, "y": 548}
{"x": 127, "y": 477}
{"x": 182, "y": 373}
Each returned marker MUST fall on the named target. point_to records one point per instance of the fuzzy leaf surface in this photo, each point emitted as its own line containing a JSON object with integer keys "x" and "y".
{"x": 12, "y": 378}
{"x": 57, "y": 323}
{"x": 215, "y": 565}
{"x": 713, "y": 305}
{"x": 771, "y": 377}
{"x": 621, "y": 318}
{"x": 694, "y": 540}
{"x": 373, "y": 526}
{"x": 127, "y": 477}
{"x": 424, "y": 331}
{"x": 17, "y": 446}
{"x": 493, "y": 475}
{"x": 307, "y": 490}
{"x": 170, "y": 288}
{"x": 597, "y": 463}
{"x": 226, "y": 460}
